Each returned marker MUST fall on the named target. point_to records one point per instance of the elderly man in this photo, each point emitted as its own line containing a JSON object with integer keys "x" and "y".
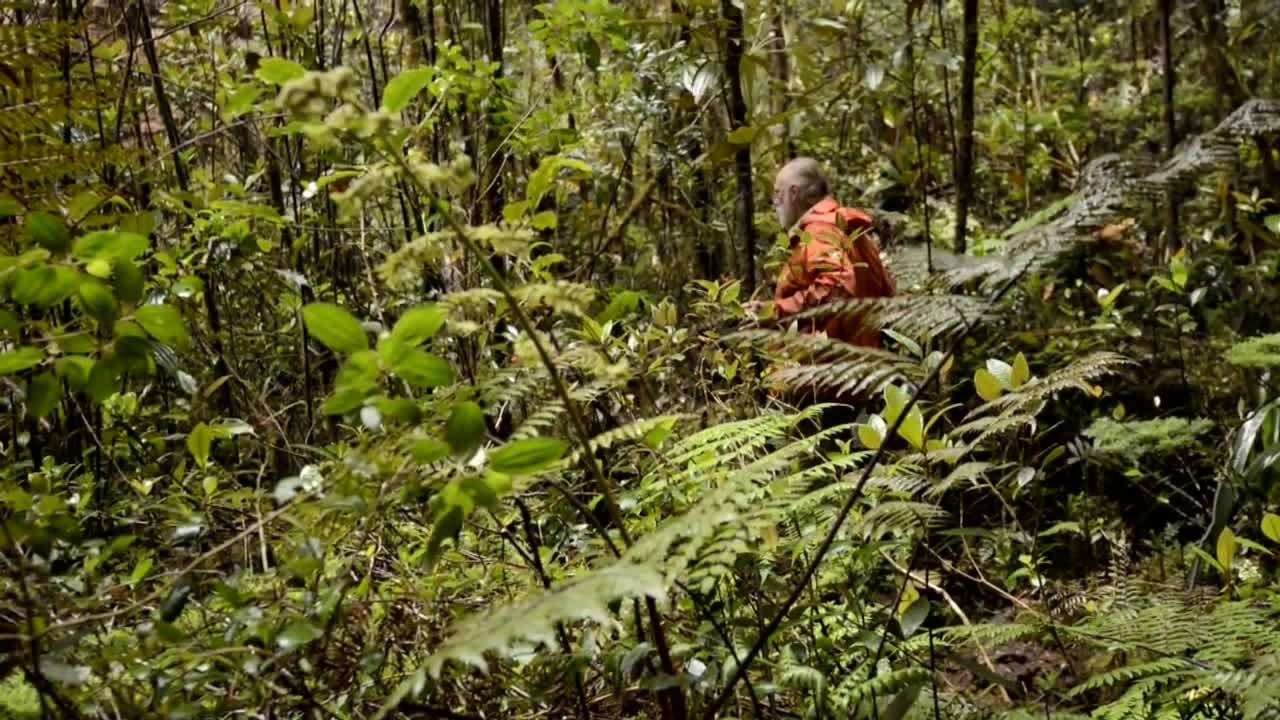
{"x": 834, "y": 255}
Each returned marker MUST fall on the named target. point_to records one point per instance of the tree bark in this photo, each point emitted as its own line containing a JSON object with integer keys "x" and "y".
{"x": 964, "y": 158}
{"x": 732, "y": 15}
{"x": 1172, "y": 239}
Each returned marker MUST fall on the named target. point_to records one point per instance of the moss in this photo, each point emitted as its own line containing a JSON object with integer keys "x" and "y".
{"x": 18, "y": 700}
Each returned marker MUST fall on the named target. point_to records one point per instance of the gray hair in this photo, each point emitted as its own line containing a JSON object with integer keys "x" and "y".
{"x": 806, "y": 174}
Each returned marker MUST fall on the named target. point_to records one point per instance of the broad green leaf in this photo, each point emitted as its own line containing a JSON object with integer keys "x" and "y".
{"x": 523, "y": 457}
{"x": 1271, "y": 527}
{"x": 9, "y": 206}
{"x": 9, "y": 323}
{"x": 1021, "y": 371}
{"x": 912, "y": 428}
{"x": 895, "y": 398}
{"x": 49, "y": 231}
{"x": 298, "y": 634}
{"x": 404, "y": 87}
{"x": 336, "y": 328}
{"x": 1226, "y": 549}
{"x": 422, "y": 369}
{"x": 545, "y": 220}
{"x": 104, "y": 380}
{"x": 987, "y": 385}
{"x": 15, "y": 361}
{"x": 344, "y": 400}
{"x": 74, "y": 369}
{"x": 43, "y": 395}
{"x": 128, "y": 281}
{"x": 429, "y": 450}
{"x": 915, "y": 616}
{"x": 871, "y": 435}
{"x": 419, "y": 324}
{"x": 479, "y": 491}
{"x": 1273, "y": 223}
{"x": 743, "y": 135}
{"x": 44, "y": 286}
{"x": 446, "y": 527}
{"x": 99, "y": 302}
{"x": 109, "y": 244}
{"x": 164, "y": 323}
{"x": 278, "y": 71}
{"x": 465, "y": 429}
{"x": 200, "y": 443}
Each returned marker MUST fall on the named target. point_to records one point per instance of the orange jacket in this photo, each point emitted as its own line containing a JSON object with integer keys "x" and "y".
{"x": 827, "y": 267}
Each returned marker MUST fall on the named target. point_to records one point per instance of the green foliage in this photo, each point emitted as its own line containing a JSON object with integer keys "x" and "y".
{"x": 1141, "y": 437}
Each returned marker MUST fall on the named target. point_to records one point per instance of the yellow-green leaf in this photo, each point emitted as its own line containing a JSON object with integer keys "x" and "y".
{"x": 336, "y": 328}
{"x": 419, "y": 324}
{"x": 1271, "y": 527}
{"x": 404, "y": 87}
{"x": 18, "y": 360}
{"x": 912, "y": 428}
{"x": 164, "y": 323}
{"x": 465, "y": 429}
{"x": 987, "y": 385}
{"x": 1021, "y": 371}
{"x": 1226, "y": 549}
{"x": 200, "y": 443}
{"x": 523, "y": 457}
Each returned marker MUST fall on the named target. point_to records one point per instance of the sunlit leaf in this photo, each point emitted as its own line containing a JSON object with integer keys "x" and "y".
{"x": 164, "y": 323}
{"x": 336, "y": 328}
{"x": 404, "y": 87}
{"x": 526, "y": 456}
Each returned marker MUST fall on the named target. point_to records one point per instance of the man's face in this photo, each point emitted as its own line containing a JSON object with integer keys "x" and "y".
{"x": 784, "y": 202}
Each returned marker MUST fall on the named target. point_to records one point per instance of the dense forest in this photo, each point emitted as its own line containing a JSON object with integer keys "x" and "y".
{"x": 423, "y": 359}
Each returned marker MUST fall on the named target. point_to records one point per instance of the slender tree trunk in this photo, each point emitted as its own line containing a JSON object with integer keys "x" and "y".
{"x": 1172, "y": 239}
{"x": 742, "y": 158}
{"x": 782, "y": 77}
{"x": 964, "y": 158}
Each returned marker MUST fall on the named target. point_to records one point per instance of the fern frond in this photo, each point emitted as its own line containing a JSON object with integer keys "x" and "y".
{"x": 1165, "y": 667}
{"x": 534, "y": 620}
{"x": 916, "y": 316}
{"x": 1140, "y": 437}
{"x": 1262, "y": 351}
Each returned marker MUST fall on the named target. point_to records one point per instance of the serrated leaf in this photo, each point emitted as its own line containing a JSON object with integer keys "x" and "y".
{"x": 43, "y": 395}
{"x": 1021, "y": 371}
{"x": 164, "y": 323}
{"x": 419, "y": 324}
{"x": 15, "y": 361}
{"x": 278, "y": 71}
{"x": 465, "y": 429}
{"x": 109, "y": 245}
{"x": 200, "y": 443}
{"x": 987, "y": 385}
{"x": 1226, "y": 549}
{"x": 49, "y": 231}
{"x": 334, "y": 327}
{"x": 404, "y": 87}
{"x": 523, "y": 457}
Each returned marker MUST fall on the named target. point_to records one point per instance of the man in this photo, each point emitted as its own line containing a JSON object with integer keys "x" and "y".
{"x": 834, "y": 255}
